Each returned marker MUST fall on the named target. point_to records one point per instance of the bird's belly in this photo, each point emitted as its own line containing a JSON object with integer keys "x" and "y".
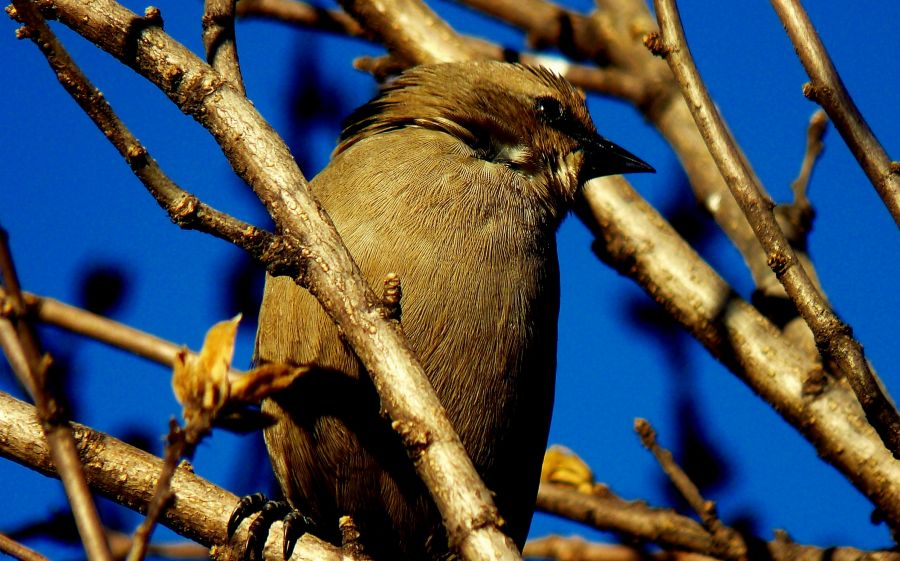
{"x": 489, "y": 351}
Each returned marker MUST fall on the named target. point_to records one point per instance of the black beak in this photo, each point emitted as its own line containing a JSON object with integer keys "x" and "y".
{"x": 602, "y": 157}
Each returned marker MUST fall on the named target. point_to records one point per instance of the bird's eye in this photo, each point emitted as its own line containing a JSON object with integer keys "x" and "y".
{"x": 550, "y": 110}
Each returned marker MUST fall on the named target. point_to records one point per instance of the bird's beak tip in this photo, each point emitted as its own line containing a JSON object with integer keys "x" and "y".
{"x": 606, "y": 158}
{"x": 640, "y": 166}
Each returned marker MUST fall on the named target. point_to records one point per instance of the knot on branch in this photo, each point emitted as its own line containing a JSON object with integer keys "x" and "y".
{"x": 831, "y": 336}
{"x": 778, "y": 262}
{"x": 285, "y": 256}
{"x": 414, "y": 438}
{"x": 350, "y": 536}
{"x": 12, "y": 13}
{"x": 656, "y": 44}
{"x": 136, "y": 156}
{"x": 23, "y": 32}
{"x": 485, "y": 518}
{"x": 184, "y": 211}
{"x": 153, "y": 17}
{"x": 816, "y": 93}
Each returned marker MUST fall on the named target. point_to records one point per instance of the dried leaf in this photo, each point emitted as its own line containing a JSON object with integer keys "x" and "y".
{"x": 200, "y": 381}
{"x": 264, "y": 381}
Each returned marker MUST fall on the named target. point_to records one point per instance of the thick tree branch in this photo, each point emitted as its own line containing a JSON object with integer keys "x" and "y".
{"x": 828, "y": 90}
{"x": 779, "y": 549}
{"x": 410, "y": 30}
{"x": 608, "y": 81}
{"x": 634, "y": 239}
{"x": 302, "y": 14}
{"x": 262, "y": 159}
{"x": 833, "y": 337}
{"x": 128, "y": 476}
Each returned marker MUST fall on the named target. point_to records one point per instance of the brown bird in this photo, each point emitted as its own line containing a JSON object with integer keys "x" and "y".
{"x": 455, "y": 177}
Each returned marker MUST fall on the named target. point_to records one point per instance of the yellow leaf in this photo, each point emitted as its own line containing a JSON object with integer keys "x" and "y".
{"x": 200, "y": 381}
{"x": 563, "y": 466}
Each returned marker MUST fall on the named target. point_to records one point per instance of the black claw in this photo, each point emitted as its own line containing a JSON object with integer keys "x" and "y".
{"x": 271, "y": 512}
{"x": 248, "y": 505}
{"x": 295, "y": 525}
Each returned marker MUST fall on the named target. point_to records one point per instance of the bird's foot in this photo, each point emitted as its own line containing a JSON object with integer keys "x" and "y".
{"x": 295, "y": 524}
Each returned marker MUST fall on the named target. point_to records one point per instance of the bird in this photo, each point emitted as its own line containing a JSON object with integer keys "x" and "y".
{"x": 453, "y": 178}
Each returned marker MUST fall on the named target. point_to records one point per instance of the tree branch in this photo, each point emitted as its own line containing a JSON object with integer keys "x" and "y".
{"x": 302, "y": 14}
{"x": 636, "y": 241}
{"x": 219, "y": 41}
{"x": 128, "y": 476}
{"x": 410, "y": 30}
{"x": 33, "y": 370}
{"x": 779, "y": 549}
{"x": 729, "y": 542}
{"x": 833, "y": 337}
{"x": 828, "y": 90}
{"x": 321, "y": 262}
{"x": 16, "y": 550}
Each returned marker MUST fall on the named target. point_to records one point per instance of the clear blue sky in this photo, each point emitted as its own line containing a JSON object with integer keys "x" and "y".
{"x": 71, "y": 204}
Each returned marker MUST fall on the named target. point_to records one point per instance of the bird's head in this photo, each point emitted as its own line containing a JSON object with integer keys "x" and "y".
{"x": 525, "y": 118}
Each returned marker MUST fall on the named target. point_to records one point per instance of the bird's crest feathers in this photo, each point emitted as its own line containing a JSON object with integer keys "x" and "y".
{"x": 470, "y": 100}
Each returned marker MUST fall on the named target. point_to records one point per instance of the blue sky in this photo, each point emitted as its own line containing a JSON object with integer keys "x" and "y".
{"x": 71, "y": 205}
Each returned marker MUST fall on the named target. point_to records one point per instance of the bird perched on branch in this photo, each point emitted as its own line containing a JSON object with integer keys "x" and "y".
{"x": 455, "y": 178}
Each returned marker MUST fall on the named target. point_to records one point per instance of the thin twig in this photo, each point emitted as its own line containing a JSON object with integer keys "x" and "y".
{"x": 31, "y": 366}
{"x": 576, "y": 548}
{"x": 548, "y": 25}
{"x": 19, "y": 551}
{"x": 668, "y": 529}
{"x": 61, "y": 448}
{"x": 795, "y": 219}
{"x": 302, "y": 14}
{"x": 10, "y": 279}
{"x": 828, "y": 90}
{"x": 607, "y": 81}
{"x": 721, "y": 534}
{"x": 606, "y": 511}
{"x": 85, "y": 323}
{"x": 171, "y": 550}
{"x": 219, "y": 41}
{"x": 177, "y": 446}
{"x": 833, "y": 337}
{"x": 780, "y": 549}
{"x": 815, "y": 132}
{"x": 183, "y": 208}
